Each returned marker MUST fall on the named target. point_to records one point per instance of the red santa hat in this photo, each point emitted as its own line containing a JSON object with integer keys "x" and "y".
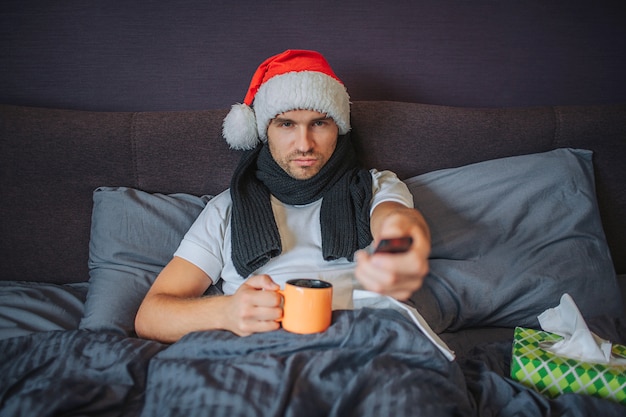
{"x": 292, "y": 80}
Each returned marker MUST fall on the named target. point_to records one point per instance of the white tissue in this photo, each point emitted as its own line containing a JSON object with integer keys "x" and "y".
{"x": 578, "y": 341}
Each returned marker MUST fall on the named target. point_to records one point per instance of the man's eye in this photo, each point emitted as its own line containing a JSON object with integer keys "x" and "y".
{"x": 286, "y": 124}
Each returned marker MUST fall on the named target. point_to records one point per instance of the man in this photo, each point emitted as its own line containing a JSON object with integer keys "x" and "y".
{"x": 298, "y": 206}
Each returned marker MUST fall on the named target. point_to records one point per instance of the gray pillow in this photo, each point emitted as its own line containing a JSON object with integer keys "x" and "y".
{"x": 510, "y": 236}
{"x": 133, "y": 236}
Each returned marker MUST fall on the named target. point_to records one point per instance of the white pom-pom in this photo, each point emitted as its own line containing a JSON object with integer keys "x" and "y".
{"x": 239, "y": 128}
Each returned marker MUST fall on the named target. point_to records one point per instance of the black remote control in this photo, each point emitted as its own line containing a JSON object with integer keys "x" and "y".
{"x": 394, "y": 245}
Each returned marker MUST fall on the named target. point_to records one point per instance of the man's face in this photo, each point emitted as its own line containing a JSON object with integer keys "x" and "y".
{"x": 302, "y": 141}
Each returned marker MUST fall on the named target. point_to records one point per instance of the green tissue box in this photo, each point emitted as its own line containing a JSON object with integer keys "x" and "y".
{"x": 553, "y": 375}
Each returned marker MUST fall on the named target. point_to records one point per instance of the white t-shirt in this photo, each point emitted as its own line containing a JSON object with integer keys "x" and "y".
{"x": 207, "y": 244}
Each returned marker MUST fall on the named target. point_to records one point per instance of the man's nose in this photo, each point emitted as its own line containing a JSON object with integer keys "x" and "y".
{"x": 304, "y": 140}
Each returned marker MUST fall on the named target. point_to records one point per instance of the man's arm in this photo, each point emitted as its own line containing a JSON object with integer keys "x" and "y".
{"x": 397, "y": 275}
{"x": 174, "y": 305}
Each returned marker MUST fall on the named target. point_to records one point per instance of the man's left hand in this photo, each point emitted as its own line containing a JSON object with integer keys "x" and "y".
{"x": 395, "y": 274}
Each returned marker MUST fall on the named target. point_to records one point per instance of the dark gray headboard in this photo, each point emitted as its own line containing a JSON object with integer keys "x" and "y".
{"x": 141, "y": 55}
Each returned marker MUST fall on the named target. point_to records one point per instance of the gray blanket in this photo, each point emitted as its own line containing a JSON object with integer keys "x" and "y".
{"x": 368, "y": 363}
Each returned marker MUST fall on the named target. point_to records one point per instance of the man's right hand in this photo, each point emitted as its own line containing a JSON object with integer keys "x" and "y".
{"x": 175, "y": 305}
{"x": 255, "y": 307}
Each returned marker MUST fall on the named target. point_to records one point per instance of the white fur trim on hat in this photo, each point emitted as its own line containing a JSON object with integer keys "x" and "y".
{"x": 304, "y": 90}
{"x": 244, "y": 127}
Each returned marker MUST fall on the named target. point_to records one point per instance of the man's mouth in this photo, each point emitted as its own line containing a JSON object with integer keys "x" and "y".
{"x": 305, "y": 162}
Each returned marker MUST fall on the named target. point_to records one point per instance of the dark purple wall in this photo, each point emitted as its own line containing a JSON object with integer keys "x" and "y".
{"x": 199, "y": 54}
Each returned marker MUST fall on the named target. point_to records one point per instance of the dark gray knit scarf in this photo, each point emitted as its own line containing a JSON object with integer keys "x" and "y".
{"x": 346, "y": 190}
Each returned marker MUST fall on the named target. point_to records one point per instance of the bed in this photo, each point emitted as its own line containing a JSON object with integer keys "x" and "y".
{"x": 516, "y": 223}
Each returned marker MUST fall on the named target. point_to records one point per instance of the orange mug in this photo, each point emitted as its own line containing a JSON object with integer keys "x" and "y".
{"x": 307, "y": 305}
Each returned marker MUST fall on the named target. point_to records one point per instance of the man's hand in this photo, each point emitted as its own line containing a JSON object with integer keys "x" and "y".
{"x": 255, "y": 307}
{"x": 397, "y": 275}
{"x": 174, "y": 306}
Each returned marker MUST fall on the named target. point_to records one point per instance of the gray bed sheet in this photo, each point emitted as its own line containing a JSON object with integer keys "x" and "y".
{"x": 370, "y": 362}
